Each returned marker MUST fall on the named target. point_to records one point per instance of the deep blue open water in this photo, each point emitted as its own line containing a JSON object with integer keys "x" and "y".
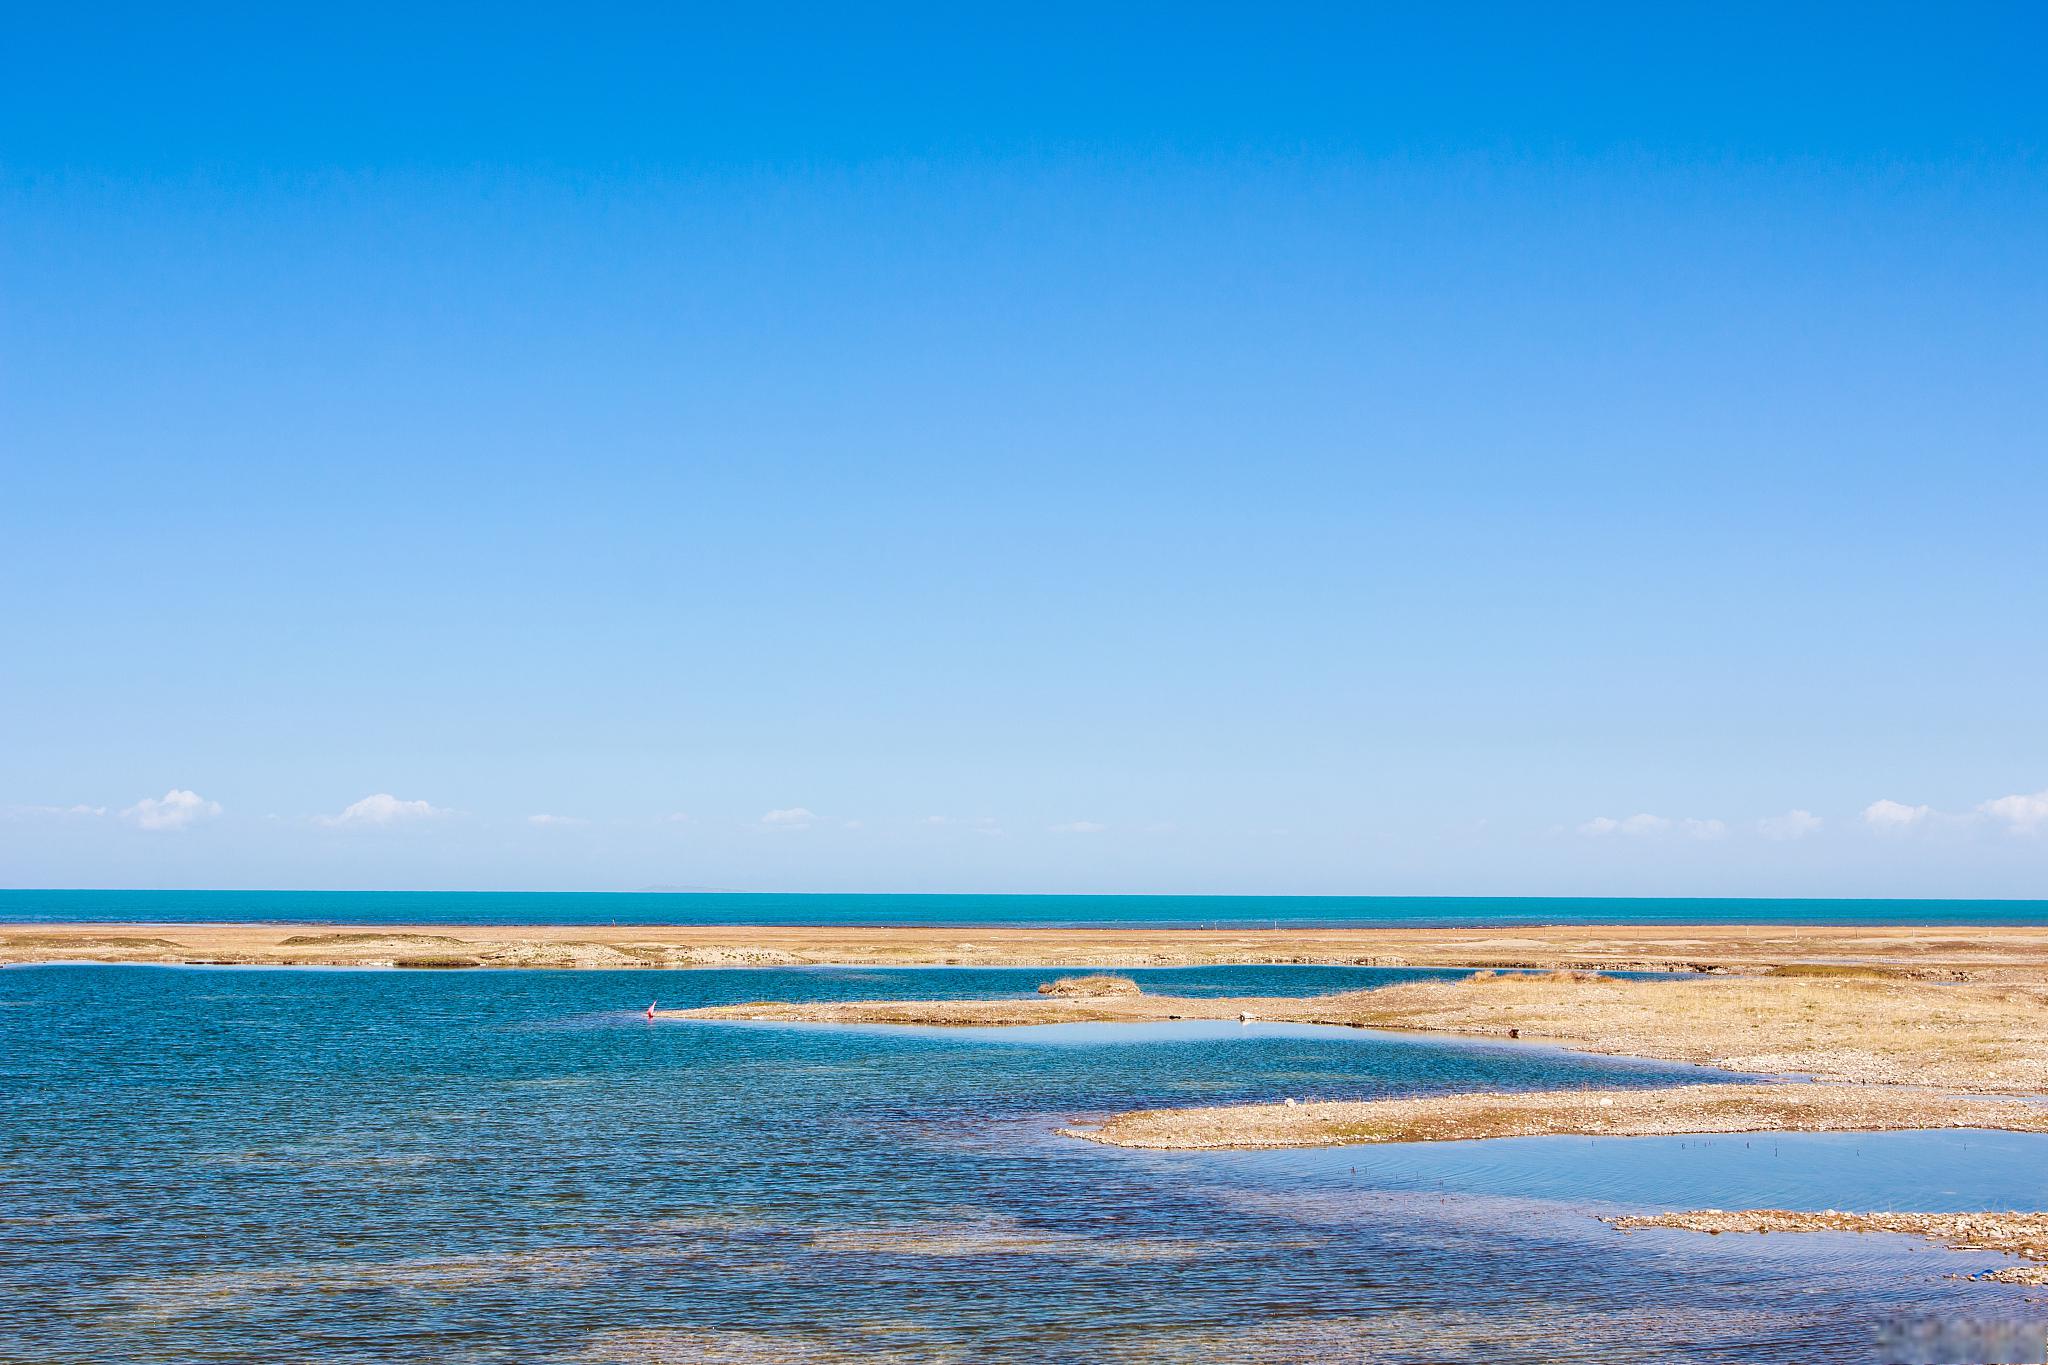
{"x": 580, "y": 907}
{"x": 254, "y": 1165}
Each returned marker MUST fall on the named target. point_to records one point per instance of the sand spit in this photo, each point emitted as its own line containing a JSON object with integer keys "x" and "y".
{"x": 2024, "y": 1235}
{"x": 1947, "y": 953}
{"x": 1988, "y": 1039}
{"x": 1775, "y": 1108}
{"x": 1891, "y": 1053}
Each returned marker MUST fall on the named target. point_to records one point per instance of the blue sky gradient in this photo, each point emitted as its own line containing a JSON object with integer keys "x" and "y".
{"x": 1190, "y": 451}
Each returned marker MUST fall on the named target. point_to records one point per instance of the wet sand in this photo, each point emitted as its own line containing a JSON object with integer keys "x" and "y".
{"x": 2024, "y": 1235}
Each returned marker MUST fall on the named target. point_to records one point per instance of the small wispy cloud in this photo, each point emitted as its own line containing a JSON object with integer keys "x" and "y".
{"x": 1077, "y": 827}
{"x": 1888, "y": 814}
{"x": 979, "y": 824}
{"x": 78, "y": 812}
{"x": 556, "y": 820}
{"x": 1645, "y": 825}
{"x": 1634, "y": 826}
{"x": 1793, "y": 824}
{"x": 2023, "y": 814}
{"x": 176, "y": 809}
{"x": 381, "y": 809}
{"x": 676, "y": 817}
{"x": 791, "y": 818}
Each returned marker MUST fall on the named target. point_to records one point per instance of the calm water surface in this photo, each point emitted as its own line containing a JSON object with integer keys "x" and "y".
{"x": 261, "y": 1166}
{"x": 580, "y": 907}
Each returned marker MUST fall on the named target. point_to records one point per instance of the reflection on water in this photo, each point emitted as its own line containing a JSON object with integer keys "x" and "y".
{"x": 246, "y": 1166}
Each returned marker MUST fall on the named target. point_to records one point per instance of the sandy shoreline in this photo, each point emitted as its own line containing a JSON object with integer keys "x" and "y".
{"x": 1947, "y": 952}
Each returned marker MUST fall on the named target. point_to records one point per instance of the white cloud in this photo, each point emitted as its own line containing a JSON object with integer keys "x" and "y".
{"x": 1703, "y": 829}
{"x": 556, "y": 820}
{"x": 678, "y": 817}
{"x": 853, "y": 824}
{"x": 1078, "y": 827}
{"x": 794, "y": 817}
{"x": 382, "y": 809}
{"x": 2019, "y": 814}
{"x": 1793, "y": 824}
{"x": 175, "y": 809}
{"x": 1886, "y": 814}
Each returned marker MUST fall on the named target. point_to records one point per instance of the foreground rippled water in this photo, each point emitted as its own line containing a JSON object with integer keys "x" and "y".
{"x": 261, "y": 1166}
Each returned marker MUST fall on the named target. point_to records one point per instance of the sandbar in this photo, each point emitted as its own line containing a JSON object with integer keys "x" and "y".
{"x": 1946, "y": 952}
{"x": 1630, "y": 1112}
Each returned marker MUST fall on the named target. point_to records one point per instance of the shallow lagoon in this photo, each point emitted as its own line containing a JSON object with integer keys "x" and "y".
{"x": 253, "y": 1165}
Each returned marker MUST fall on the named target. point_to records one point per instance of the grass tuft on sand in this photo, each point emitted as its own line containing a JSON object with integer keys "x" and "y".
{"x": 1093, "y": 986}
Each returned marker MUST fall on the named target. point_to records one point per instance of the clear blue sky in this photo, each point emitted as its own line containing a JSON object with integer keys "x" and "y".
{"x": 1503, "y": 450}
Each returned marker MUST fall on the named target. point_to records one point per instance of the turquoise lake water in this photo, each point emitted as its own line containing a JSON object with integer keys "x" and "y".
{"x": 574, "y": 907}
{"x": 254, "y": 1165}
